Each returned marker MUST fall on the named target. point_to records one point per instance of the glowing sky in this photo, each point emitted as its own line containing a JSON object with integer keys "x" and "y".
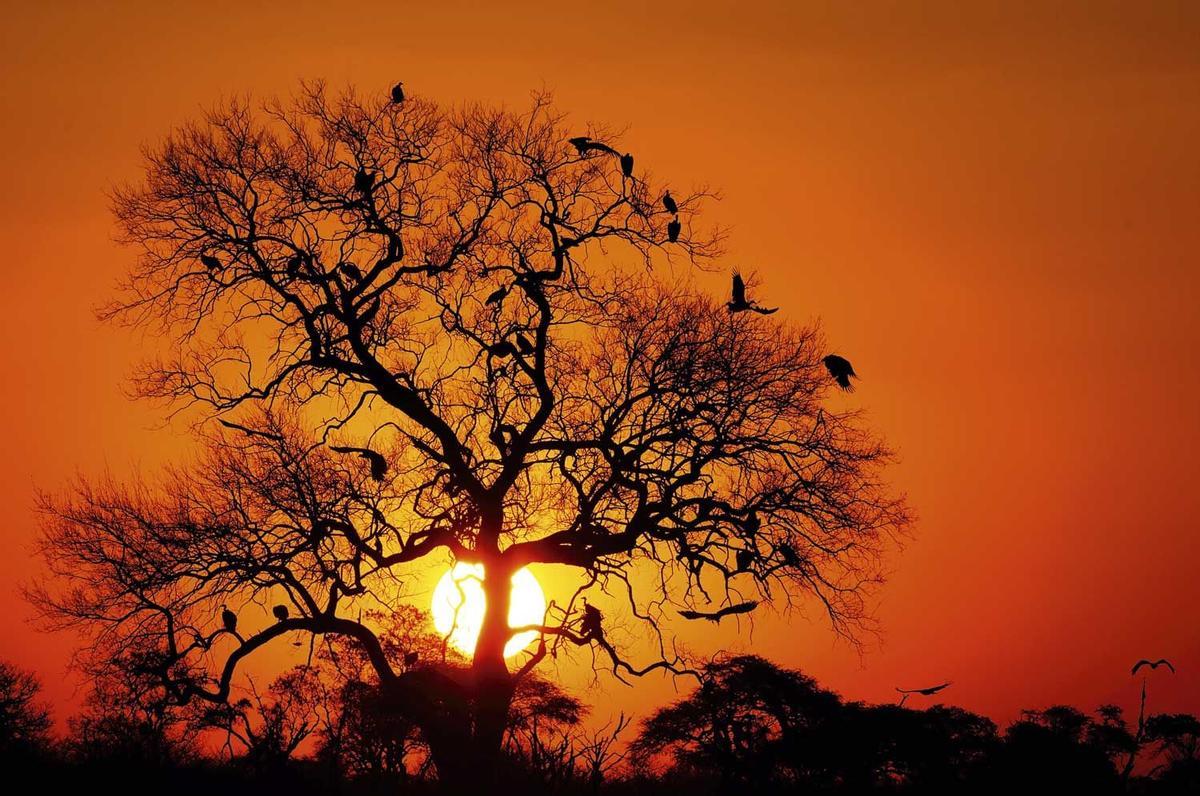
{"x": 995, "y": 213}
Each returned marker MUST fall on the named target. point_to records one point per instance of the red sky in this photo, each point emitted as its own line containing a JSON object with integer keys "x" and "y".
{"x": 994, "y": 211}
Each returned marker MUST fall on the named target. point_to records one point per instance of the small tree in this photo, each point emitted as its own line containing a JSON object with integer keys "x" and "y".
{"x": 472, "y": 301}
{"x": 24, "y": 719}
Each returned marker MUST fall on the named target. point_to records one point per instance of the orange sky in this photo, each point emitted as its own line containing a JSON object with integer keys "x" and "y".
{"x": 994, "y": 212}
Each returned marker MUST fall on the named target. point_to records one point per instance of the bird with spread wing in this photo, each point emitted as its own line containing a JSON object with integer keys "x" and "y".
{"x": 716, "y": 616}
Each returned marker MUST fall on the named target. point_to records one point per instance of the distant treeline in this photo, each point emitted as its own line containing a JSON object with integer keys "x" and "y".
{"x": 752, "y": 727}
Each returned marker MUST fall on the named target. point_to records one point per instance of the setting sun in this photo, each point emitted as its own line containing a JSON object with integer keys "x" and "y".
{"x": 458, "y": 604}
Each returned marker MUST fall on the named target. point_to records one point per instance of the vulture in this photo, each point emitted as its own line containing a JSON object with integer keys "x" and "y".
{"x": 210, "y": 262}
{"x": 524, "y": 345}
{"x": 841, "y": 370}
{"x": 739, "y": 303}
{"x": 281, "y": 612}
{"x": 379, "y": 465}
{"x": 398, "y": 93}
{"x": 496, "y": 297}
{"x": 789, "y": 555}
{"x": 351, "y": 271}
{"x": 745, "y": 559}
{"x": 627, "y": 164}
{"x": 673, "y": 230}
{"x": 715, "y": 616}
{"x": 502, "y": 349}
{"x": 229, "y": 619}
{"x": 584, "y": 144}
{"x": 1153, "y": 665}
{"x": 363, "y": 181}
{"x": 930, "y": 691}
{"x": 410, "y": 659}
{"x": 592, "y": 618}
{"x": 669, "y": 203}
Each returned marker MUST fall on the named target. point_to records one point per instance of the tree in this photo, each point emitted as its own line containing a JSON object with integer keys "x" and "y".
{"x": 473, "y": 303}
{"x": 24, "y": 720}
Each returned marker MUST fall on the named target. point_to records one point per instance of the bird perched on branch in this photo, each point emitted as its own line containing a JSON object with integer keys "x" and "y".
{"x": 280, "y": 612}
{"x": 715, "y": 616}
{"x": 739, "y": 302}
{"x": 364, "y": 181}
{"x": 584, "y": 144}
{"x": 210, "y": 262}
{"x": 379, "y": 465}
{"x": 745, "y": 559}
{"x": 627, "y": 164}
{"x": 398, "y": 93}
{"x": 502, "y": 349}
{"x": 1152, "y": 665}
{"x": 229, "y": 620}
{"x": 673, "y": 230}
{"x": 841, "y": 370}
{"x": 789, "y": 554}
{"x": 293, "y": 265}
{"x": 669, "y": 203}
{"x": 591, "y": 627}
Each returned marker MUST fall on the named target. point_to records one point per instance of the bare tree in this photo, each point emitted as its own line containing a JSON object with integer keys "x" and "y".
{"x": 435, "y": 330}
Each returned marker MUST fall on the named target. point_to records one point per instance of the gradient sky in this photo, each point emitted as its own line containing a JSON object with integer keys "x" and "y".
{"x": 995, "y": 212}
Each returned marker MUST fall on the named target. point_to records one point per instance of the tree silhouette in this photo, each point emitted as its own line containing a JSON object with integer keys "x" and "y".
{"x": 471, "y": 297}
{"x": 24, "y": 720}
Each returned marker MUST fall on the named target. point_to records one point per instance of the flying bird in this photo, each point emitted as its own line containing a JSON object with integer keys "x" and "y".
{"x": 841, "y": 370}
{"x": 210, "y": 262}
{"x": 281, "y": 612}
{"x": 673, "y": 229}
{"x": 627, "y": 164}
{"x": 379, "y": 465}
{"x": 739, "y": 302}
{"x": 398, "y": 93}
{"x": 715, "y": 616}
{"x": 669, "y": 203}
{"x": 229, "y": 619}
{"x": 1152, "y": 665}
{"x": 363, "y": 181}
{"x": 930, "y": 691}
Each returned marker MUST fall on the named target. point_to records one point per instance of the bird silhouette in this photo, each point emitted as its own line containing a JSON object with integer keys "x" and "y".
{"x": 789, "y": 554}
{"x": 410, "y": 659}
{"x": 669, "y": 203}
{"x": 584, "y": 144}
{"x": 745, "y": 559}
{"x": 210, "y": 262}
{"x": 379, "y": 465}
{"x": 627, "y": 164}
{"x": 930, "y": 691}
{"x": 673, "y": 229}
{"x": 752, "y": 523}
{"x": 841, "y": 370}
{"x": 351, "y": 271}
{"x": 524, "y": 345}
{"x": 398, "y": 93}
{"x": 228, "y": 619}
{"x": 496, "y": 297}
{"x": 364, "y": 181}
{"x": 715, "y": 616}
{"x": 281, "y": 612}
{"x": 293, "y": 265}
{"x": 739, "y": 303}
{"x": 1152, "y": 665}
{"x": 502, "y": 349}
{"x": 591, "y": 626}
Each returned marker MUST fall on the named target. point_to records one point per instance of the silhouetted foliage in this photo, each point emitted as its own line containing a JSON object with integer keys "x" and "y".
{"x": 24, "y": 719}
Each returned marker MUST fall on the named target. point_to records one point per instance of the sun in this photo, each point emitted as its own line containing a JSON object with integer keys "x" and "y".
{"x": 458, "y": 603}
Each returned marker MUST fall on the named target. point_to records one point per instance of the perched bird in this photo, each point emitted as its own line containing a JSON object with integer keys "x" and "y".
{"x": 281, "y": 612}
{"x": 715, "y": 616}
{"x": 592, "y": 619}
{"x": 673, "y": 229}
{"x": 210, "y": 262}
{"x": 1153, "y": 665}
{"x": 745, "y": 559}
{"x": 364, "y": 181}
{"x": 351, "y": 271}
{"x": 229, "y": 619}
{"x": 584, "y": 144}
{"x": 752, "y": 523}
{"x": 669, "y": 203}
{"x": 790, "y": 557}
{"x": 524, "y": 345}
{"x": 379, "y": 465}
{"x": 933, "y": 689}
{"x": 502, "y": 349}
{"x": 410, "y": 659}
{"x": 841, "y": 370}
{"x": 496, "y": 297}
{"x": 293, "y": 265}
{"x": 627, "y": 164}
{"x": 739, "y": 302}
{"x": 398, "y": 93}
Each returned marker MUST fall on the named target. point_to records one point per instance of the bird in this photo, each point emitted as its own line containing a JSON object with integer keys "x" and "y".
{"x": 669, "y": 203}
{"x": 930, "y": 691}
{"x": 293, "y": 265}
{"x": 715, "y": 616}
{"x": 229, "y": 619}
{"x": 364, "y": 181}
{"x": 210, "y": 262}
{"x": 410, "y": 659}
{"x": 627, "y": 164}
{"x": 790, "y": 557}
{"x": 673, "y": 229}
{"x": 1152, "y": 665}
{"x": 739, "y": 302}
{"x": 281, "y": 612}
{"x": 745, "y": 559}
{"x": 752, "y": 523}
{"x": 351, "y": 270}
{"x": 502, "y": 349}
{"x": 379, "y": 465}
{"x": 592, "y": 619}
{"x": 496, "y": 297}
{"x": 398, "y": 93}
{"x": 584, "y": 144}
{"x": 841, "y": 370}
{"x": 524, "y": 345}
